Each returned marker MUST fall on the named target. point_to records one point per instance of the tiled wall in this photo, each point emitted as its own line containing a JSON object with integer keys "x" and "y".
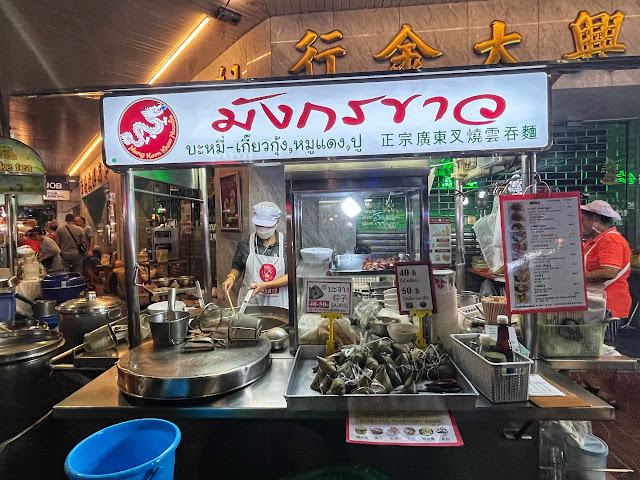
{"x": 575, "y": 163}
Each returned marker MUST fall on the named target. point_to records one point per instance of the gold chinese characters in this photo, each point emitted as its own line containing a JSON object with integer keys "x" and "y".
{"x": 407, "y": 59}
{"x": 596, "y": 34}
{"x": 235, "y": 72}
{"x": 497, "y": 45}
{"x": 329, "y": 55}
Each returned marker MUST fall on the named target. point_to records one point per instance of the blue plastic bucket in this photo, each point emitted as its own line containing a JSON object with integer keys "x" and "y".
{"x": 141, "y": 449}
{"x": 62, "y": 287}
{"x": 7, "y": 307}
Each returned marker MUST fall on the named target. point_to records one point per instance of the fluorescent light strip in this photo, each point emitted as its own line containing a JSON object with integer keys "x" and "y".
{"x": 193, "y": 35}
{"x": 159, "y": 72}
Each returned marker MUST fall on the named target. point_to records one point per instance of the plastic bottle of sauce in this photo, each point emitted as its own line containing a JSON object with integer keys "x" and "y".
{"x": 503, "y": 345}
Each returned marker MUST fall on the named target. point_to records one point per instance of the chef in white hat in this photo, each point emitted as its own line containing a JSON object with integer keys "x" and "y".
{"x": 261, "y": 258}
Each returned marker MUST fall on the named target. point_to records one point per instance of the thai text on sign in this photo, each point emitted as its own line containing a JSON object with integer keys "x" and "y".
{"x": 327, "y": 296}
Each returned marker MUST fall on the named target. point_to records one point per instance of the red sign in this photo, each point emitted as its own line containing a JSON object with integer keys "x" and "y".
{"x": 148, "y": 129}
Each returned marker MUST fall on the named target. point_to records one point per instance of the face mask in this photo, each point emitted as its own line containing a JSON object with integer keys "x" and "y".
{"x": 264, "y": 233}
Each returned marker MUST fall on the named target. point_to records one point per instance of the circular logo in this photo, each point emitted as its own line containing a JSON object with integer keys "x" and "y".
{"x": 267, "y": 272}
{"x": 148, "y": 129}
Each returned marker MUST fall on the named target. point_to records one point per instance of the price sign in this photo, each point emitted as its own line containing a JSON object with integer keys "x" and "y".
{"x": 415, "y": 287}
{"x": 327, "y": 296}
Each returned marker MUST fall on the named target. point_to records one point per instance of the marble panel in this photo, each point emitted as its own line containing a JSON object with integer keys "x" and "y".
{"x": 555, "y": 39}
{"x": 360, "y": 52}
{"x": 435, "y": 17}
{"x": 628, "y": 7}
{"x": 325, "y": 225}
{"x": 568, "y": 10}
{"x": 525, "y": 51}
{"x": 512, "y": 12}
{"x": 453, "y": 43}
{"x": 283, "y": 56}
{"x": 630, "y": 35}
{"x": 625, "y": 77}
{"x": 258, "y": 40}
{"x": 237, "y": 53}
{"x": 291, "y": 28}
{"x": 260, "y": 68}
{"x": 375, "y": 21}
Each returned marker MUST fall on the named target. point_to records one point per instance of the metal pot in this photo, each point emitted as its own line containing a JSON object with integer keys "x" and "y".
{"x": 44, "y": 308}
{"x": 169, "y": 329}
{"x": 28, "y": 391}
{"x": 83, "y": 315}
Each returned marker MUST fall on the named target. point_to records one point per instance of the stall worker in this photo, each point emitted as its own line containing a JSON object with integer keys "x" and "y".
{"x": 49, "y": 254}
{"x": 261, "y": 258}
{"x": 26, "y": 227}
{"x": 71, "y": 242}
{"x": 50, "y": 228}
{"x": 607, "y": 259}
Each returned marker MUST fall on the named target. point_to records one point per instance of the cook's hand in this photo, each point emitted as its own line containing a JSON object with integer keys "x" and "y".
{"x": 89, "y": 254}
{"x": 257, "y": 288}
{"x": 226, "y": 286}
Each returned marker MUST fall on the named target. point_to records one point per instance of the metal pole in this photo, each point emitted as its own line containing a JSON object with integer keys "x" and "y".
{"x": 460, "y": 260}
{"x": 530, "y": 320}
{"x": 12, "y": 230}
{"x": 204, "y": 219}
{"x": 130, "y": 242}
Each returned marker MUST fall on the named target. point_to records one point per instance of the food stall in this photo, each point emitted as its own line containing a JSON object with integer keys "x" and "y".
{"x": 368, "y": 138}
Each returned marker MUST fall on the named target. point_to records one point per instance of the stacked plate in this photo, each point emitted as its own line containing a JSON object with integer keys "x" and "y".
{"x": 391, "y": 299}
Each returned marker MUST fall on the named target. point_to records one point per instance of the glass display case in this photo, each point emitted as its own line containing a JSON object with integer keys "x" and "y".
{"x": 355, "y": 229}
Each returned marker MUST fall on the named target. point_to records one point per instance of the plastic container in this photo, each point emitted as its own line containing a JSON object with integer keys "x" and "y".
{"x": 142, "y": 449}
{"x": 7, "y": 307}
{"x": 582, "y": 460}
{"x": 570, "y": 340}
{"x": 62, "y": 287}
{"x": 499, "y": 382}
{"x": 52, "y": 321}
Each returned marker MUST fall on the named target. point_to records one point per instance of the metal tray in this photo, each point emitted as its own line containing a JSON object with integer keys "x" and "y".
{"x": 352, "y": 263}
{"x": 300, "y": 396}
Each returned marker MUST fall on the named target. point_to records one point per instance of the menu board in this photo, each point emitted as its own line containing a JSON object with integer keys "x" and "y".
{"x": 415, "y": 287}
{"x": 327, "y": 296}
{"x": 542, "y": 242}
{"x": 440, "y": 242}
{"x": 383, "y": 214}
{"x": 427, "y": 429}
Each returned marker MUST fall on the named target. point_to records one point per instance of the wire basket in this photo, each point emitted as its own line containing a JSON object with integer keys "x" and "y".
{"x": 499, "y": 382}
{"x": 570, "y": 340}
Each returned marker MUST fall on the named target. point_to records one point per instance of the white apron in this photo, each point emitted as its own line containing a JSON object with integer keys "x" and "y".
{"x": 600, "y": 287}
{"x": 261, "y": 268}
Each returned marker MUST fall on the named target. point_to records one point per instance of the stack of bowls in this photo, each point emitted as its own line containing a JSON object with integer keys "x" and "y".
{"x": 391, "y": 300}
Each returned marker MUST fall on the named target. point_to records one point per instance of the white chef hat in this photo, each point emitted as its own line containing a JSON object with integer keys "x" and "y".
{"x": 266, "y": 214}
{"x": 601, "y": 208}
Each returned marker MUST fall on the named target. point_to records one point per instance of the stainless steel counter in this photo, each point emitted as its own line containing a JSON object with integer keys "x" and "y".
{"x": 620, "y": 363}
{"x": 264, "y": 399}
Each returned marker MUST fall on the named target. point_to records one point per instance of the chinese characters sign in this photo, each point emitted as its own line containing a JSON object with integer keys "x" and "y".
{"x": 327, "y": 296}
{"x": 410, "y": 115}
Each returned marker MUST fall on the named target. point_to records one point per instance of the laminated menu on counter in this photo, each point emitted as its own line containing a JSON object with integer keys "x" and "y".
{"x": 427, "y": 429}
{"x": 542, "y": 242}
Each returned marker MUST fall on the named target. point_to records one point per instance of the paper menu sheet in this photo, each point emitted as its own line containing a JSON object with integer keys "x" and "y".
{"x": 435, "y": 429}
{"x": 542, "y": 243}
{"x": 539, "y": 387}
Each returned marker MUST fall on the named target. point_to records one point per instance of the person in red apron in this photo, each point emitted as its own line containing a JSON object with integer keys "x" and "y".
{"x": 607, "y": 259}
{"x": 261, "y": 258}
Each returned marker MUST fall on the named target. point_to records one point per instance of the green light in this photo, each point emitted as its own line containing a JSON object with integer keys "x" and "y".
{"x": 471, "y": 185}
{"x": 623, "y": 178}
{"x": 447, "y": 183}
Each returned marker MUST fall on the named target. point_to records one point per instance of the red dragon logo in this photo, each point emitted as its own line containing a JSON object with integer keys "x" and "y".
{"x": 148, "y": 129}
{"x": 267, "y": 272}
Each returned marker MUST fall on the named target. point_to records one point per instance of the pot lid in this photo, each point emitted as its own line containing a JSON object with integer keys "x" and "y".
{"x": 26, "y": 344}
{"x": 89, "y": 304}
{"x": 9, "y": 282}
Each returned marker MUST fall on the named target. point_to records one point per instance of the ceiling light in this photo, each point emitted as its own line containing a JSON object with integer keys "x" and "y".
{"x": 163, "y": 67}
{"x": 351, "y": 207}
{"x": 182, "y": 46}
{"x": 81, "y": 160}
{"x": 465, "y": 201}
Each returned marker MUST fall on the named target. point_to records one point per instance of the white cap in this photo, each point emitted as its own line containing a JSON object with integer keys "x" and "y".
{"x": 601, "y": 208}
{"x": 266, "y": 214}
{"x": 484, "y": 339}
{"x": 502, "y": 320}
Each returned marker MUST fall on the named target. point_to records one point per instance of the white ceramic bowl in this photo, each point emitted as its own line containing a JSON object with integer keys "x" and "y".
{"x": 316, "y": 254}
{"x": 391, "y": 291}
{"x": 163, "y": 306}
{"x": 402, "y": 332}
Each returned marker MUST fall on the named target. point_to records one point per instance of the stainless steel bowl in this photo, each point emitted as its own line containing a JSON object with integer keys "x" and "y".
{"x": 379, "y": 326}
{"x": 185, "y": 280}
{"x": 169, "y": 328}
{"x": 163, "y": 281}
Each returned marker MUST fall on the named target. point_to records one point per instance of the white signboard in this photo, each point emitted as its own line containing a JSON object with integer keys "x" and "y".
{"x": 327, "y": 296}
{"x": 57, "y": 195}
{"x": 386, "y": 115}
{"x": 427, "y": 429}
{"x": 415, "y": 287}
{"x": 542, "y": 242}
